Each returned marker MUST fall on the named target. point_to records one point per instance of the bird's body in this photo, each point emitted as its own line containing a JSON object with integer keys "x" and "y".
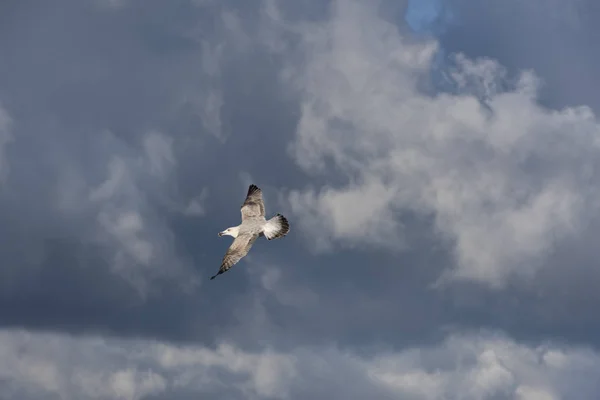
{"x": 252, "y": 227}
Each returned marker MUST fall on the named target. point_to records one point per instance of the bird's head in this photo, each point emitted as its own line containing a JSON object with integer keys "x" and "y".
{"x": 230, "y": 232}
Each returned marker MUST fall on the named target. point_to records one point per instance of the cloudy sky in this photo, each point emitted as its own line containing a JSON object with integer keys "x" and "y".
{"x": 438, "y": 161}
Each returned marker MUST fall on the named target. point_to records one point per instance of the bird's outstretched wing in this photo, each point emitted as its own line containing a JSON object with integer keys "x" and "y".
{"x": 253, "y": 205}
{"x": 238, "y": 249}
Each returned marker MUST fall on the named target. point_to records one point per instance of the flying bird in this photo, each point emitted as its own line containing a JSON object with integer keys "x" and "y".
{"x": 252, "y": 227}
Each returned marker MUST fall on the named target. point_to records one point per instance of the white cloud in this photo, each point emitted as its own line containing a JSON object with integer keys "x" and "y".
{"x": 125, "y": 384}
{"x": 107, "y": 196}
{"x": 210, "y": 107}
{"x": 139, "y": 239}
{"x": 195, "y": 206}
{"x": 484, "y": 366}
{"x": 358, "y": 212}
{"x": 276, "y": 284}
{"x": 503, "y": 177}
{"x": 531, "y": 393}
{"x": 158, "y": 149}
{"x": 268, "y": 373}
{"x": 91, "y": 367}
{"x": 206, "y": 99}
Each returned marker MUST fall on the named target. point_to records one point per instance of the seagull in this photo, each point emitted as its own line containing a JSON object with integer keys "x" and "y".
{"x": 252, "y": 227}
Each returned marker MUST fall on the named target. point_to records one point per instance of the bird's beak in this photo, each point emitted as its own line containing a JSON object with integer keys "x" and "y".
{"x": 220, "y": 233}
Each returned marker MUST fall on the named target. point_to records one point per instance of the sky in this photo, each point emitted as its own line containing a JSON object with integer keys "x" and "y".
{"x": 438, "y": 162}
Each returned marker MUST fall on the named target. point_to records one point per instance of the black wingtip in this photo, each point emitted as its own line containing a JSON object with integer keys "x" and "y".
{"x": 253, "y": 188}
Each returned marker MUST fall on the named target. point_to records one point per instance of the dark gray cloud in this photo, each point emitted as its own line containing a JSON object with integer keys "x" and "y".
{"x": 129, "y": 131}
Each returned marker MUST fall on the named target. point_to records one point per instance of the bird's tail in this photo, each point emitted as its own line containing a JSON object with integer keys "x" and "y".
{"x": 276, "y": 227}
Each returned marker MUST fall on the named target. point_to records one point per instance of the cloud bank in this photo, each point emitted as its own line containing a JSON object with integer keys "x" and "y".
{"x": 503, "y": 178}
{"x": 484, "y": 366}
